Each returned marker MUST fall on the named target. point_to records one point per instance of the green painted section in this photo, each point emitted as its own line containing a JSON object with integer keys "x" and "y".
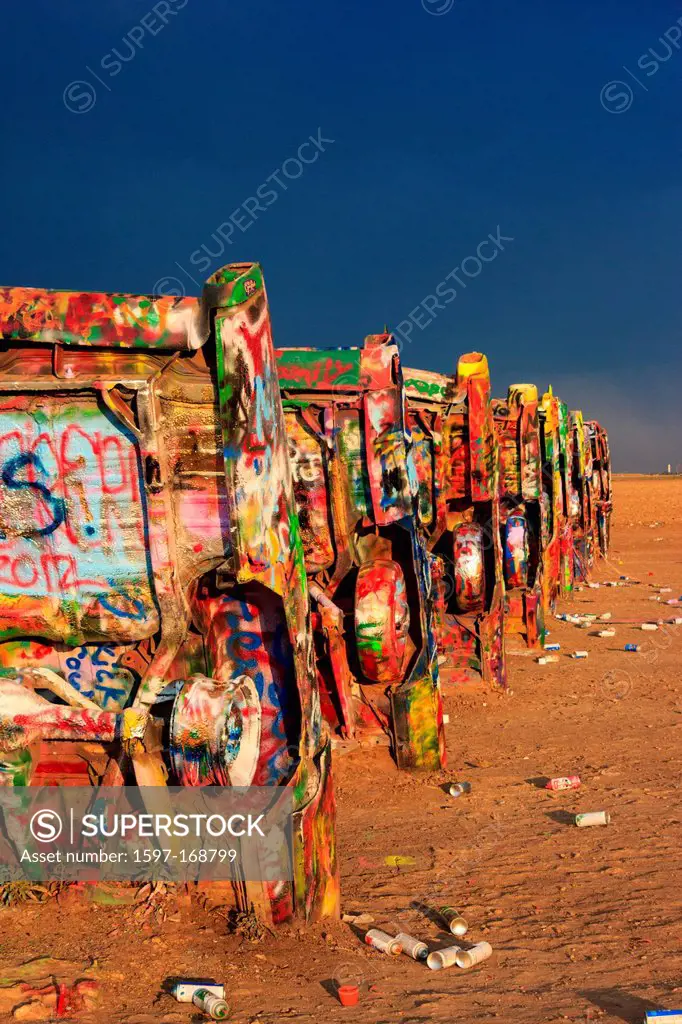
{"x": 428, "y": 388}
{"x": 306, "y": 369}
{"x": 246, "y": 283}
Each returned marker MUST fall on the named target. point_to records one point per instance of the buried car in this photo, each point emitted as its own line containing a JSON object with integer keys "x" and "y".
{"x": 151, "y": 572}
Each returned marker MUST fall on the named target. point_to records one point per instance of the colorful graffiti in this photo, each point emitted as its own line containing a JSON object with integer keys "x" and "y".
{"x": 151, "y": 558}
{"x": 356, "y": 488}
{"x": 457, "y": 464}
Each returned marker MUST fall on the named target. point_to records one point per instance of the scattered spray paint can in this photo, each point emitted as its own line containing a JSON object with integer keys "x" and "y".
{"x": 547, "y": 659}
{"x": 566, "y": 782}
{"x": 454, "y": 920}
{"x": 579, "y": 654}
{"x": 184, "y": 990}
{"x": 631, "y": 647}
{"x": 662, "y": 1017}
{"x": 552, "y": 647}
{"x": 477, "y": 954}
{"x": 210, "y": 1003}
{"x": 459, "y": 788}
{"x": 605, "y": 617}
{"x": 415, "y": 948}
{"x": 605, "y": 632}
{"x": 649, "y": 626}
{"x": 443, "y": 958}
{"x": 384, "y": 942}
{"x": 592, "y": 818}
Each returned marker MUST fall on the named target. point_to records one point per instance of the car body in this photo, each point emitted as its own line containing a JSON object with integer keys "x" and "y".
{"x": 457, "y": 462}
{"x": 365, "y": 555}
{"x": 149, "y": 535}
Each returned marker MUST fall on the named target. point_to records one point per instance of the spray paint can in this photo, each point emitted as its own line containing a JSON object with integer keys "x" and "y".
{"x": 210, "y": 1003}
{"x": 184, "y": 990}
{"x": 605, "y": 617}
{"x": 477, "y": 954}
{"x": 548, "y": 659}
{"x": 384, "y": 942}
{"x": 605, "y": 632}
{"x": 454, "y": 920}
{"x": 443, "y": 958}
{"x": 415, "y": 948}
{"x": 552, "y": 647}
{"x": 579, "y": 654}
{"x": 592, "y": 818}
{"x": 594, "y": 586}
{"x": 459, "y": 788}
{"x": 566, "y": 782}
{"x": 649, "y": 626}
{"x": 631, "y": 647}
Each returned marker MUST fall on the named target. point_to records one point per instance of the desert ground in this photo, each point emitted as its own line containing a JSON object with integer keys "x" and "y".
{"x": 585, "y": 923}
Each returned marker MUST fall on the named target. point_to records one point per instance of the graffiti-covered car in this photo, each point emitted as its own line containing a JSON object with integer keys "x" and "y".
{"x": 151, "y": 568}
{"x": 521, "y": 510}
{"x": 602, "y": 500}
{"x": 366, "y": 559}
{"x": 556, "y": 527}
{"x": 456, "y": 457}
{"x": 581, "y": 508}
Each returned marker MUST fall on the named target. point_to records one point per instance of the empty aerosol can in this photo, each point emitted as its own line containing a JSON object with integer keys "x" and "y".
{"x": 631, "y": 647}
{"x": 547, "y": 659}
{"x": 184, "y": 990}
{"x": 566, "y": 782}
{"x": 552, "y": 647}
{"x": 210, "y": 1003}
{"x": 592, "y": 818}
{"x": 605, "y": 632}
{"x": 650, "y": 627}
{"x": 476, "y": 955}
{"x": 443, "y": 958}
{"x": 579, "y": 654}
{"x": 415, "y": 948}
{"x": 454, "y": 920}
{"x": 384, "y": 942}
{"x": 459, "y": 788}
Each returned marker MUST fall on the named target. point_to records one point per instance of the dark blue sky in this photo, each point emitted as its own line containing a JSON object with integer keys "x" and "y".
{"x": 446, "y": 126}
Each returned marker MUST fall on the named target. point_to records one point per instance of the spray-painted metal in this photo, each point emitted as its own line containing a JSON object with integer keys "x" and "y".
{"x": 148, "y": 534}
{"x": 523, "y": 510}
{"x": 602, "y": 497}
{"x": 456, "y": 457}
{"x": 365, "y": 553}
{"x": 556, "y": 541}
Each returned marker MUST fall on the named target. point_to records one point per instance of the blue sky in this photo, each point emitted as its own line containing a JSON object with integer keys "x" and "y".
{"x": 134, "y": 130}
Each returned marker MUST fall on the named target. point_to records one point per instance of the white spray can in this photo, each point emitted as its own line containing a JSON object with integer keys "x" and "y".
{"x": 592, "y": 818}
{"x": 477, "y": 954}
{"x": 415, "y": 948}
{"x": 443, "y": 958}
{"x": 384, "y": 942}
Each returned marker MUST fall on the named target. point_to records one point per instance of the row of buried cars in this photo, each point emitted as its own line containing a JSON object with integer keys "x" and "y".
{"x": 218, "y": 557}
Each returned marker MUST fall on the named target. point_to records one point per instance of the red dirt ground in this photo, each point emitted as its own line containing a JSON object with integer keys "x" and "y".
{"x": 585, "y": 923}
